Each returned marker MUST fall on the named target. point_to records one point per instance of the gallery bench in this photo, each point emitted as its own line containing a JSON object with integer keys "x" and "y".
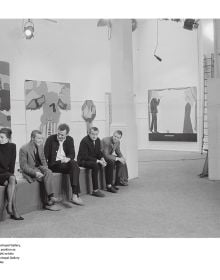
{"x": 29, "y": 196}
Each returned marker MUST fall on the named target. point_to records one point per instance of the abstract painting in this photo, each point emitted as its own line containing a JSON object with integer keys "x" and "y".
{"x": 88, "y": 113}
{"x": 47, "y": 105}
{"x": 5, "y": 106}
{"x": 173, "y": 114}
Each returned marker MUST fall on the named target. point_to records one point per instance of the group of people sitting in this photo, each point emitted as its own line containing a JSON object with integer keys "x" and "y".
{"x": 38, "y": 161}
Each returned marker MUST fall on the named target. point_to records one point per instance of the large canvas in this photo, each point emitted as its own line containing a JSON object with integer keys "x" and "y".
{"x": 173, "y": 114}
{"x": 47, "y": 105}
{"x": 5, "y": 106}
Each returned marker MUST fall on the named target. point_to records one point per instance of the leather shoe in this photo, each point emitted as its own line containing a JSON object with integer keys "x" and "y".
{"x": 55, "y": 199}
{"x": 52, "y": 207}
{"x": 98, "y": 193}
{"x": 121, "y": 184}
{"x": 77, "y": 200}
{"x": 124, "y": 184}
{"x": 13, "y": 217}
{"x": 111, "y": 189}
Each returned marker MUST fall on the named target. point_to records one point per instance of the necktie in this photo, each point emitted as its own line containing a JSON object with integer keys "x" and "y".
{"x": 37, "y": 157}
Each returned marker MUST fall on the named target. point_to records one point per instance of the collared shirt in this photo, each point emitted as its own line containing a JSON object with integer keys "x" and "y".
{"x": 60, "y": 153}
{"x": 113, "y": 147}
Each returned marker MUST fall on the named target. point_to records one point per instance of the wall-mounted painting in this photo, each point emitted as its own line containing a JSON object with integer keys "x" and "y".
{"x": 47, "y": 105}
{"x": 173, "y": 114}
{"x": 88, "y": 113}
{"x": 5, "y": 106}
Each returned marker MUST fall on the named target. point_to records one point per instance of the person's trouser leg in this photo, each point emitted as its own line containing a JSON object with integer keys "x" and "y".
{"x": 73, "y": 170}
{"x": 109, "y": 169}
{"x": 121, "y": 173}
{"x": 48, "y": 195}
{"x": 95, "y": 169}
{"x": 48, "y": 182}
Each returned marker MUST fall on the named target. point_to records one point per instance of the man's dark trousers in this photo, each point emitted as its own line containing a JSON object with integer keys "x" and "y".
{"x": 70, "y": 168}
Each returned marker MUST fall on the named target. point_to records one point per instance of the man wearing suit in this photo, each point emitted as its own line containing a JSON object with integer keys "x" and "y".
{"x": 114, "y": 158}
{"x": 90, "y": 156}
{"x": 34, "y": 167}
{"x": 60, "y": 153}
{"x": 153, "y": 109}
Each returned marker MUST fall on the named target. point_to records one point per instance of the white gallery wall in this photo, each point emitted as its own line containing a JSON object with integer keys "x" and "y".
{"x": 178, "y": 49}
{"x": 71, "y": 51}
{"x": 214, "y": 103}
{"x": 78, "y": 52}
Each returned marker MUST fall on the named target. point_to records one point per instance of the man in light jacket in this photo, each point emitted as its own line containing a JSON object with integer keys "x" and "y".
{"x": 114, "y": 158}
{"x": 34, "y": 168}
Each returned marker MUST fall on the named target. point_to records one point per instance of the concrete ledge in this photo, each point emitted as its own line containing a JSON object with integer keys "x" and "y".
{"x": 29, "y": 196}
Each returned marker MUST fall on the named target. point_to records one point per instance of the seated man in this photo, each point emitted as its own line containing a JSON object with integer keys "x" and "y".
{"x": 60, "y": 153}
{"x": 34, "y": 167}
{"x": 114, "y": 158}
{"x": 90, "y": 156}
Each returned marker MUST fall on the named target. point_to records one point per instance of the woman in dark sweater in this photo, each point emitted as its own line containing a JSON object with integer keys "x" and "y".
{"x": 7, "y": 166}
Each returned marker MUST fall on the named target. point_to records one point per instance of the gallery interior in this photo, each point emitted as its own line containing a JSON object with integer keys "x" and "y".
{"x": 156, "y": 80}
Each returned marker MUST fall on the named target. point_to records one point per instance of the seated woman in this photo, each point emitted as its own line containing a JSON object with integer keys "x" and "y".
{"x": 7, "y": 166}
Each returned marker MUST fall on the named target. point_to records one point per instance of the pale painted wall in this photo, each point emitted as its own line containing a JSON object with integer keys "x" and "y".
{"x": 206, "y": 29}
{"x": 217, "y": 46}
{"x": 73, "y": 51}
{"x": 179, "y": 68}
{"x": 214, "y": 109}
{"x": 78, "y": 52}
{"x": 205, "y": 48}
{"x": 214, "y": 128}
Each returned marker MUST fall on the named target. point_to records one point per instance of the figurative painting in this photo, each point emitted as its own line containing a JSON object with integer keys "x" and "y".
{"x": 5, "y": 106}
{"x": 47, "y": 105}
{"x": 173, "y": 114}
{"x": 88, "y": 113}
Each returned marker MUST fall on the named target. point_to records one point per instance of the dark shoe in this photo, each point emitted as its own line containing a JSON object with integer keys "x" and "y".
{"x": 55, "y": 199}
{"x": 50, "y": 202}
{"x": 122, "y": 184}
{"x": 52, "y": 207}
{"x": 111, "y": 189}
{"x": 17, "y": 218}
{"x": 98, "y": 193}
{"x": 202, "y": 175}
{"x": 117, "y": 188}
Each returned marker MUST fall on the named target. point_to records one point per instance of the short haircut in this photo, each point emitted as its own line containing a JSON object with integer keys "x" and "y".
{"x": 35, "y": 132}
{"x": 64, "y": 126}
{"x": 6, "y": 131}
{"x": 93, "y": 128}
{"x": 118, "y": 132}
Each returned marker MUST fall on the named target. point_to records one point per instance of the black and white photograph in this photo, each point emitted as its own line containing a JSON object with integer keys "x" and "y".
{"x": 109, "y": 143}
